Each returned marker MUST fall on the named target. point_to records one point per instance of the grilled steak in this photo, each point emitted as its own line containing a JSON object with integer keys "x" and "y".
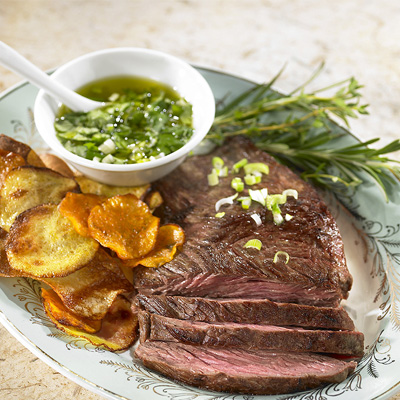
{"x": 213, "y": 262}
{"x": 242, "y": 371}
{"x": 250, "y": 311}
{"x": 154, "y": 327}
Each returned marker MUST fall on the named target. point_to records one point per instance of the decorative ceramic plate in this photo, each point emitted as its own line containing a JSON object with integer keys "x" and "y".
{"x": 370, "y": 227}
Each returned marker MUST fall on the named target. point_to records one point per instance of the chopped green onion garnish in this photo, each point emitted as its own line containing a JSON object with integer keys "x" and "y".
{"x": 281, "y": 253}
{"x": 256, "y": 218}
{"x": 291, "y": 192}
{"x": 256, "y": 167}
{"x": 288, "y": 217}
{"x": 273, "y": 201}
{"x": 223, "y": 172}
{"x": 246, "y": 202}
{"x": 257, "y": 195}
{"x": 109, "y": 159}
{"x": 226, "y": 200}
{"x": 278, "y": 219}
{"x": 239, "y": 164}
{"x": 252, "y": 179}
{"x": 220, "y": 215}
{"x": 237, "y": 184}
{"x": 254, "y": 244}
{"x": 217, "y": 162}
{"x": 107, "y": 147}
{"x": 213, "y": 179}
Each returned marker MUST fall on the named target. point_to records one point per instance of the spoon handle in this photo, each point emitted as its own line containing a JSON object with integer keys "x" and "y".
{"x": 16, "y": 62}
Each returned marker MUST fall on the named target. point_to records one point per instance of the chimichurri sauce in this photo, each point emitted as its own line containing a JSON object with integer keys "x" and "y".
{"x": 141, "y": 120}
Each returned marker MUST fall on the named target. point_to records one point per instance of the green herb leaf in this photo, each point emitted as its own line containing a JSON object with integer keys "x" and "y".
{"x": 296, "y": 129}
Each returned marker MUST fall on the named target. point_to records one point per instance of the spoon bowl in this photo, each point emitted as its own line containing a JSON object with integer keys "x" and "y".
{"x": 135, "y": 62}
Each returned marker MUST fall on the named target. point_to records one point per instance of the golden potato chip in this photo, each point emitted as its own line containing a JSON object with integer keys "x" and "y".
{"x": 90, "y": 291}
{"x": 77, "y": 206}
{"x": 119, "y": 328}
{"x": 5, "y": 268}
{"x": 9, "y": 161}
{"x": 26, "y": 187}
{"x": 120, "y": 325}
{"x": 154, "y": 200}
{"x": 125, "y": 225}
{"x": 55, "y": 163}
{"x": 43, "y": 243}
{"x": 169, "y": 237}
{"x": 88, "y": 185}
{"x": 55, "y": 307}
{"x": 9, "y": 144}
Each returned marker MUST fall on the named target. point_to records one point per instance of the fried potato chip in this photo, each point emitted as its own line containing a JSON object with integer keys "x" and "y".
{"x": 9, "y": 161}
{"x": 5, "y": 268}
{"x": 169, "y": 238}
{"x": 26, "y": 187}
{"x": 77, "y": 207}
{"x": 154, "y": 200}
{"x": 87, "y": 185}
{"x": 125, "y": 225}
{"x": 119, "y": 328}
{"x": 42, "y": 243}
{"x": 9, "y": 144}
{"x": 55, "y": 307}
{"x": 55, "y": 163}
{"x": 90, "y": 291}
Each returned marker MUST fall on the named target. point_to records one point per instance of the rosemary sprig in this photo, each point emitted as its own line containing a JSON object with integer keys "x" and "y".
{"x": 297, "y": 128}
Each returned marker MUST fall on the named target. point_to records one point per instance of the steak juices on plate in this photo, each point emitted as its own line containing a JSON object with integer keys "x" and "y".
{"x": 229, "y": 318}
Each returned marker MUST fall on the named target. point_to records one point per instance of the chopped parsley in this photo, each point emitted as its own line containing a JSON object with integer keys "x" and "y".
{"x": 133, "y": 126}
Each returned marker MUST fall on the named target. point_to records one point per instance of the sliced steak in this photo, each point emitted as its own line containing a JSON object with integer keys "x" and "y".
{"x": 251, "y": 311}
{"x": 240, "y": 371}
{"x": 213, "y": 261}
{"x": 154, "y": 327}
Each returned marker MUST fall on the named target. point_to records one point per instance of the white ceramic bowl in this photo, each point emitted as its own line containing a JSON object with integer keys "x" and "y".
{"x": 151, "y": 64}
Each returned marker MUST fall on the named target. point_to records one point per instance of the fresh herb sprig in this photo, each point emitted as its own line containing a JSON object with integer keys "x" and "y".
{"x": 297, "y": 128}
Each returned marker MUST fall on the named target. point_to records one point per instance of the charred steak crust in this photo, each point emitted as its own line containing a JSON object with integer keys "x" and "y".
{"x": 250, "y": 311}
{"x": 238, "y": 371}
{"x": 213, "y": 262}
{"x": 250, "y": 336}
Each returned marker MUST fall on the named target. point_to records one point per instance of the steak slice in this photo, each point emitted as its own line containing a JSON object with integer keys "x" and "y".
{"x": 213, "y": 262}
{"x": 154, "y": 327}
{"x": 250, "y": 311}
{"x": 242, "y": 371}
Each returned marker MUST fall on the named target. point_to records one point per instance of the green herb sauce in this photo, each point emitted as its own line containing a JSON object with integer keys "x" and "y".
{"x": 141, "y": 120}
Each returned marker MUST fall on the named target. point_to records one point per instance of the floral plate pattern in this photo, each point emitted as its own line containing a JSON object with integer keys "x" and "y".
{"x": 370, "y": 227}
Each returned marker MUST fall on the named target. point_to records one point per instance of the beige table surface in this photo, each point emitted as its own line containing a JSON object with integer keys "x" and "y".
{"x": 249, "y": 38}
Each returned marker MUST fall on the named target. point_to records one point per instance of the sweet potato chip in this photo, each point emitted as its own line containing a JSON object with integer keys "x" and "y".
{"x": 9, "y": 161}
{"x": 26, "y": 187}
{"x": 90, "y": 291}
{"x": 124, "y": 224}
{"x": 88, "y": 185}
{"x": 55, "y": 163}
{"x": 77, "y": 207}
{"x": 9, "y": 144}
{"x": 42, "y": 243}
{"x": 54, "y": 307}
{"x": 169, "y": 237}
{"x": 119, "y": 328}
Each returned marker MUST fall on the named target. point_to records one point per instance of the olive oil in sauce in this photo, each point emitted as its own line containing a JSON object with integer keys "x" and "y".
{"x": 141, "y": 120}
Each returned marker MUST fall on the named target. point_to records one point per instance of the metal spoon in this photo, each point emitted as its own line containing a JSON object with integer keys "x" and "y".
{"x": 14, "y": 61}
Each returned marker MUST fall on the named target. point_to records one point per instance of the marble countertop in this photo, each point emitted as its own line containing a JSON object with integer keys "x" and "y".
{"x": 252, "y": 38}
